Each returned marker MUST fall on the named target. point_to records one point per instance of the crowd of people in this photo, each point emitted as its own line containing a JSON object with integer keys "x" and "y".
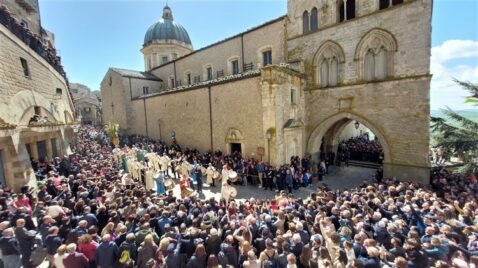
{"x": 298, "y": 173}
{"x": 32, "y": 40}
{"x": 83, "y": 216}
{"x": 360, "y": 148}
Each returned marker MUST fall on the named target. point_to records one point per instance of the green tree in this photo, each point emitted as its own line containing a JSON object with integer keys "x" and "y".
{"x": 457, "y": 134}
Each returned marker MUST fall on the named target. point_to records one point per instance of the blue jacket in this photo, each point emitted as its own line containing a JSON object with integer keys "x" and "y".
{"x": 162, "y": 221}
{"x": 107, "y": 254}
{"x": 52, "y": 243}
{"x": 289, "y": 179}
{"x": 9, "y": 246}
{"x": 260, "y": 168}
{"x": 174, "y": 259}
{"x": 90, "y": 218}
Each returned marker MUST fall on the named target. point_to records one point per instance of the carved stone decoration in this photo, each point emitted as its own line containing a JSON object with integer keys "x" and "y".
{"x": 234, "y": 135}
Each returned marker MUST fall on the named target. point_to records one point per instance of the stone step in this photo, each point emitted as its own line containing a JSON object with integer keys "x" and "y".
{"x": 364, "y": 164}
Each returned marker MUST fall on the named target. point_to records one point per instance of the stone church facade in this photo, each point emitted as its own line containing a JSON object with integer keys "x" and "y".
{"x": 289, "y": 86}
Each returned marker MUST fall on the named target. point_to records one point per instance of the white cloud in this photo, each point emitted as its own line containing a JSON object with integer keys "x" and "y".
{"x": 452, "y": 60}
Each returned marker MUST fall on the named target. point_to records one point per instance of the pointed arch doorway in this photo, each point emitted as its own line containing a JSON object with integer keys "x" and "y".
{"x": 328, "y": 138}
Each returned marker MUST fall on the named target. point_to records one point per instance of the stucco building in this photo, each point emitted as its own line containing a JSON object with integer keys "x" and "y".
{"x": 289, "y": 86}
{"x": 87, "y": 104}
{"x": 36, "y": 109}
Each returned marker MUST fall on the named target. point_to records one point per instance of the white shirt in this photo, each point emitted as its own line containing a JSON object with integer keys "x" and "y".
{"x": 58, "y": 260}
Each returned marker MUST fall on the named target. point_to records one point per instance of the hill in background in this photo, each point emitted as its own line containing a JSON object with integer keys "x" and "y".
{"x": 471, "y": 114}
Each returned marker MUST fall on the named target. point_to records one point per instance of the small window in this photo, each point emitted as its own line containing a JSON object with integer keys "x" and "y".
{"x": 111, "y": 81}
{"x": 171, "y": 81}
{"x": 175, "y": 56}
{"x": 293, "y": 96}
{"x": 145, "y": 90}
{"x": 26, "y": 71}
{"x": 59, "y": 91}
{"x": 346, "y": 10}
{"x": 197, "y": 79}
{"x": 235, "y": 66}
{"x": 341, "y": 9}
{"x": 350, "y": 9}
{"x": 383, "y": 4}
{"x": 189, "y": 78}
{"x": 164, "y": 59}
{"x": 266, "y": 58}
{"x": 305, "y": 22}
{"x": 209, "y": 73}
{"x": 314, "y": 20}
{"x": 37, "y": 110}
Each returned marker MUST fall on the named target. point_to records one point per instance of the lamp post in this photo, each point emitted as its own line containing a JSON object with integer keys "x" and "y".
{"x": 268, "y": 137}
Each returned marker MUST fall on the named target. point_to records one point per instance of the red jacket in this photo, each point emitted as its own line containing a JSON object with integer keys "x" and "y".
{"x": 89, "y": 250}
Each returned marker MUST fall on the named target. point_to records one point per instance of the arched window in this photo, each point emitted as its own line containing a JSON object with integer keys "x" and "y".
{"x": 328, "y": 62}
{"x": 314, "y": 20}
{"x": 381, "y": 64}
{"x": 350, "y": 9}
{"x": 369, "y": 66}
{"x": 375, "y": 54}
{"x": 324, "y": 73}
{"x": 293, "y": 96}
{"x": 305, "y": 22}
{"x": 341, "y": 10}
{"x": 333, "y": 72}
{"x": 346, "y": 10}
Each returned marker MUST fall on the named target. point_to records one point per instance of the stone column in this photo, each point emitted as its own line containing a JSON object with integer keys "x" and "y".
{"x": 49, "y": 149}
{"x": 34, "y": 150}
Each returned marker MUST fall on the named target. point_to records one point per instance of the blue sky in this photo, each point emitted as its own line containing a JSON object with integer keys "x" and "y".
{"x": 93, "y": 35}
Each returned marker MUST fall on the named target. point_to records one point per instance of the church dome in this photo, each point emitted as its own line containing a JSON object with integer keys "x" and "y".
{"x": 166, "y": 29}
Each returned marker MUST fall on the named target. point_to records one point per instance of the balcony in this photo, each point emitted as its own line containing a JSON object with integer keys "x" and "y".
{"x": 32, "y": 40}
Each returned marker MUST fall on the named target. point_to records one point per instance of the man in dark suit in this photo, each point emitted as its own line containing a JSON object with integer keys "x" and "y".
{"x": 26, "y": 241}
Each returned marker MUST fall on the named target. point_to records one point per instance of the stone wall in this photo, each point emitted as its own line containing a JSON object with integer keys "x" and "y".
{"x": 413, "y": 40}
{"x": 20, "y": 95}
{"x": 397, "y": 112}
{"x": 18, "y": 90}
{"x": 187, "y": 113}
{"x": 115, "y": 99}
{"x": 398, "y": 107}
{"x": 237, "y": 106}
{"x": 138, "y": 84}
{"x": 283, "y": 118}
{"x": 327, "y": 12}
{"x": 219, "y": 55}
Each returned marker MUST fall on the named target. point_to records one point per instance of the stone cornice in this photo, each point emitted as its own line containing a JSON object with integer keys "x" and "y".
{"x": 358, "y": 83}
